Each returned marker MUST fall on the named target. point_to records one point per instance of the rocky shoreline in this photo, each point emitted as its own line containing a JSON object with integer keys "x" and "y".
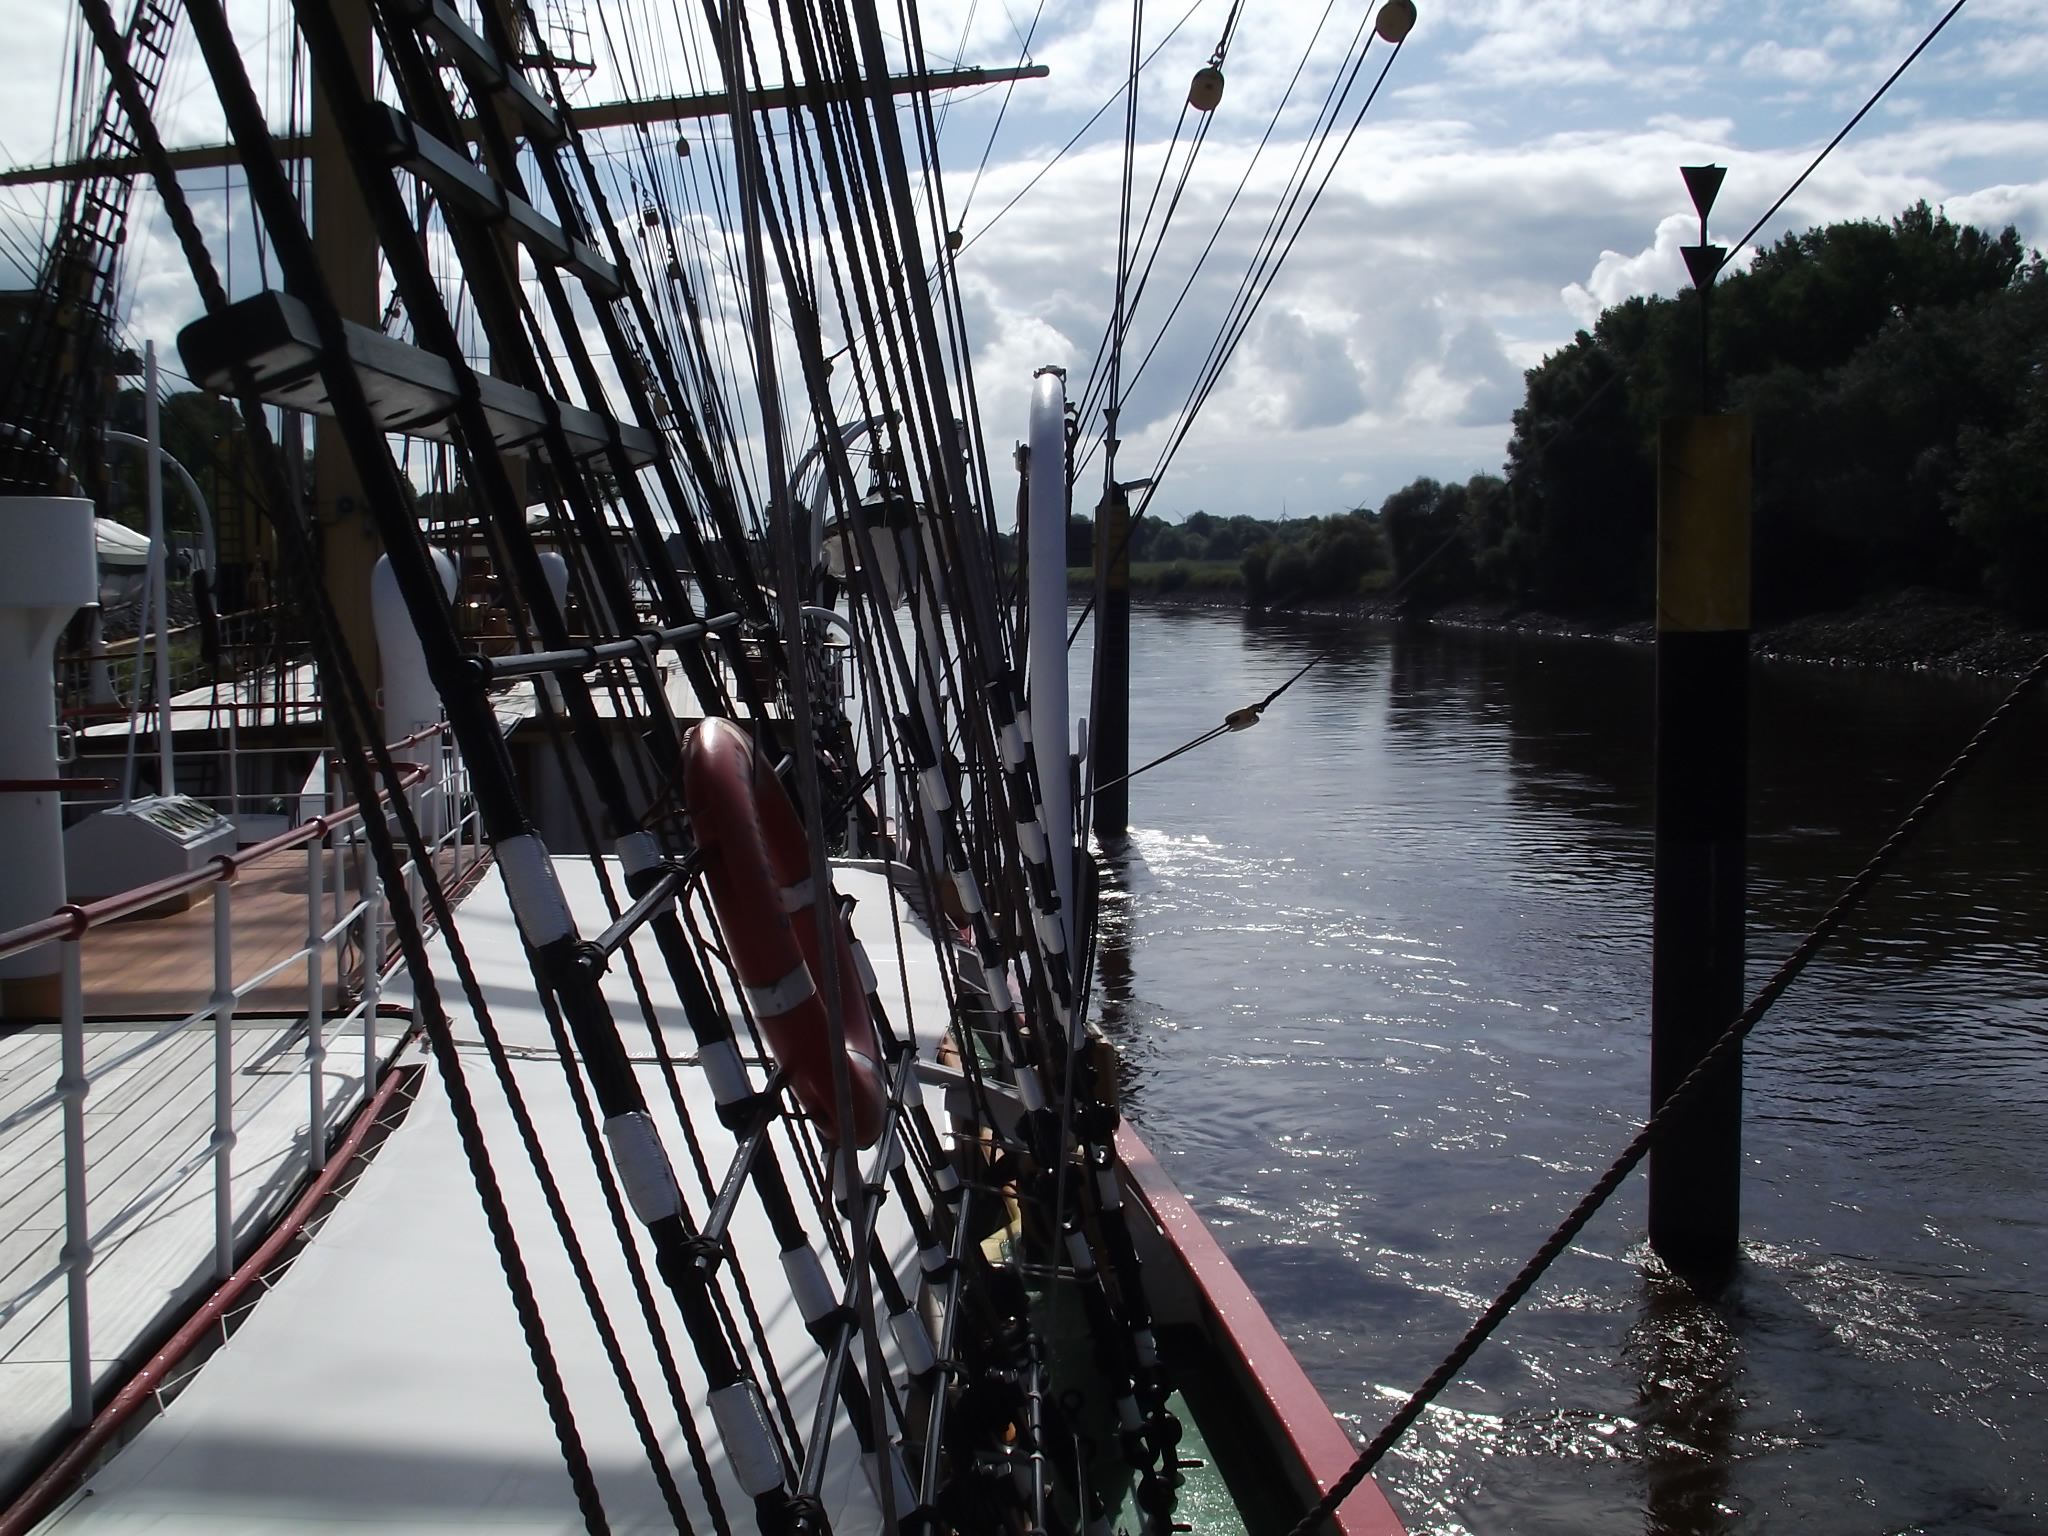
{"x": 1917, "y": 628}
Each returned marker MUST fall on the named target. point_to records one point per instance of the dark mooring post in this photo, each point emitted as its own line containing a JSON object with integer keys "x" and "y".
{"x": 1111, "y": 728}
{"x": 1702, "y": 752}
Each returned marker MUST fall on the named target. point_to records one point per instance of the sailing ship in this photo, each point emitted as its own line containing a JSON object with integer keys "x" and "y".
{"x": 550, "y": 985}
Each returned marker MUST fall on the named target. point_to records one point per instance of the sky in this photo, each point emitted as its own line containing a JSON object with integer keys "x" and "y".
{"x": 1517, "y": 171}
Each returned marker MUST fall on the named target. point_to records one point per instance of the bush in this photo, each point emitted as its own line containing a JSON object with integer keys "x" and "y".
{"x": 1254, "y": 567}
{"x": 1287, "y": 577}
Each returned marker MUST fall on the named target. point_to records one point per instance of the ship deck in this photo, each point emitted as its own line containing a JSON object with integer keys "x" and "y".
{"x": 385, "y": 1378}
{"x": 148, "y": 1123}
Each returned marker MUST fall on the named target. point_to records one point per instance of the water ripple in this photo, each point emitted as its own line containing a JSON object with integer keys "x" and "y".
{"x": 1380, "y": 970}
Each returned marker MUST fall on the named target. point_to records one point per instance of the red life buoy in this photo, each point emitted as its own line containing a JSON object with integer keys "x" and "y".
{"x": 757, "y": 867}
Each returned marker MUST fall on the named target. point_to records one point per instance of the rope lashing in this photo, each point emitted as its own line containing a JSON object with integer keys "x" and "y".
{"x": 1237, "y": 720}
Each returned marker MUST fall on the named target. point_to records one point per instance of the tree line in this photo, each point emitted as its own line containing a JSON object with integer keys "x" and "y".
{"x": 1897, "y": 375}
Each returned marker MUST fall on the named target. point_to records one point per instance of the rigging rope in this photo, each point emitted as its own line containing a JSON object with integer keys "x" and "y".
{"x": 1862, "y": 111}
{"x": 1696, "y": 1081}
{"x": 1622, "y": 369}
{"x": 1237, "y": 720}
{"x": 1093, "y": 117}
{"x": 1223, "y": 219}
{"x": 332, "y": 654}
{"x": 1023, "y": 53}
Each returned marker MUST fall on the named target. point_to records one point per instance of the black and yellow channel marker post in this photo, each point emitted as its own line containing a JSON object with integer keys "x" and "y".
{"x": 1702, "y": 772}
{"x": 1696, "y": 987}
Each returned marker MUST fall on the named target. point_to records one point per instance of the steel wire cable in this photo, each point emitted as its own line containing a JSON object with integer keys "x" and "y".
{"x": 1217, "y": 57}
{"x": 572, "y": 1242}
{"x": 1096, "y": 383}
{"x": 1093, "y": 117}
{"x": 622, "y": 1231}
{"x": 1622, "y": 368}
{"x": 947, "y": 686}
{"x": 1009, "y": 89}
{"x": 1259, "y": 283}
{"x": 1236, "y": 720}
{"x": 1223, "y": 219}
{"x": 1861, "y": 112}
{"x": 754, "y": 1321}
{"x": 954, "y": 317}
{"x": 715, "y": 212}
{"x": 1718, "y": 1057}
{"x": 1252, "y": 289}
{"x": 927, "y": 575}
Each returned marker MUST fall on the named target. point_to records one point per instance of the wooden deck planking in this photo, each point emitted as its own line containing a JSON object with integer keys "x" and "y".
{"x": 163, "y": 966}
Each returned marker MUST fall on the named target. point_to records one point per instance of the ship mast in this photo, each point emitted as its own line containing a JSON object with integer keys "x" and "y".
{"x": 347, "y": 244}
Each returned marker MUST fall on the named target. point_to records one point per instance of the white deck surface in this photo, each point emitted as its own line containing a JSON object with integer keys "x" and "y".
{"x": 385, "y": 1381}
{"x": 148, "y": 1119}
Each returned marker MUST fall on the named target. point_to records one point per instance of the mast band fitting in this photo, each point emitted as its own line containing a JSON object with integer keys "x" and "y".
{"x": 1028, "y": 1089}
{"x": 1031, "y": 841}
{"x": 644, "y": 1171}
{"x": 535, "y": 893}
{"x": 1051, "y": 934}
{"x": 725, "y": 1072}
{"x": 807, "y": 1283}
{"x": 637, "y": 851}
{"x": 743, "y": 1430}
{"x": 912, "y": 1341}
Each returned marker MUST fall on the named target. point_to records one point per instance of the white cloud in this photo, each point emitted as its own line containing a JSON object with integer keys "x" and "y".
{"x": 1519, "y": 173}
{"x": 1310, "y": 371}
{"x": 1475, "y": 356}
{"x": 1801, "y": 64}
{"x": 1657, "y": 268}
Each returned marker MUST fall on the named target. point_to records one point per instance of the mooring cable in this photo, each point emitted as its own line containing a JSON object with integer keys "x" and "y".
{"x": 1696, "y": 1081}
{"x": 1862, "y": 112}
{"x": 1237, "y": 720}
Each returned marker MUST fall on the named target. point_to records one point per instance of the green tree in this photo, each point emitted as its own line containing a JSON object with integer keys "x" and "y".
{"x": 1868, "y": 352}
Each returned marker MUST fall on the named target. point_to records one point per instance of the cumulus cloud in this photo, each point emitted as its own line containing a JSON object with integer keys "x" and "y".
{"x": 1311, "y": 372}
{"x": 1657, "y": 268}
{"x": 1475, "y": 358}
{"x": 1518, "y": 173}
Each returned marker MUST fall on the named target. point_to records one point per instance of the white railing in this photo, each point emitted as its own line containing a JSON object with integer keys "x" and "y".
{"x": 438, "y": 794}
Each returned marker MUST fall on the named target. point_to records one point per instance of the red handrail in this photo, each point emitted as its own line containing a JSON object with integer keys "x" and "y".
{"x": 72, "y": 920}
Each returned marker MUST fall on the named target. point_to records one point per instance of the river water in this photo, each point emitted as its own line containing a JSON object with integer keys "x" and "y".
{"x": 1380, "y": 971}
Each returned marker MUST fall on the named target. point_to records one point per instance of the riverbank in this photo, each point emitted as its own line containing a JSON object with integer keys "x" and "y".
{"x": 1918, "y": 629}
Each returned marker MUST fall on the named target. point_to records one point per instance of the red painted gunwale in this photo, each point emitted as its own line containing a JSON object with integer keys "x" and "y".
{"x": 1290, "y": 1398}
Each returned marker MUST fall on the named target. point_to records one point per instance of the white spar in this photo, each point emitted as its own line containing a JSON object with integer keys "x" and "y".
{"x": 1046, "y": 509}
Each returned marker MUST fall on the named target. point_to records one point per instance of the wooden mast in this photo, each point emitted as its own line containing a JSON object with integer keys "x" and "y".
{"x": 347, "y": 244}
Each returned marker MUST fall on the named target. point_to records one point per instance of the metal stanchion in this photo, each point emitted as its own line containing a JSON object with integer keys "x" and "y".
{"x": 223, "y": 1141}
{"x": 72, "y": 1087}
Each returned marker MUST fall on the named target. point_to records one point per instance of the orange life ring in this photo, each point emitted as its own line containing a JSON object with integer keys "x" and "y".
{"x": 757, "y": 867}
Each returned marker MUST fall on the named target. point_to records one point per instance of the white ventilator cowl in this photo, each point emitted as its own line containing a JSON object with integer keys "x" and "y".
{"x": 51, "y": 571}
